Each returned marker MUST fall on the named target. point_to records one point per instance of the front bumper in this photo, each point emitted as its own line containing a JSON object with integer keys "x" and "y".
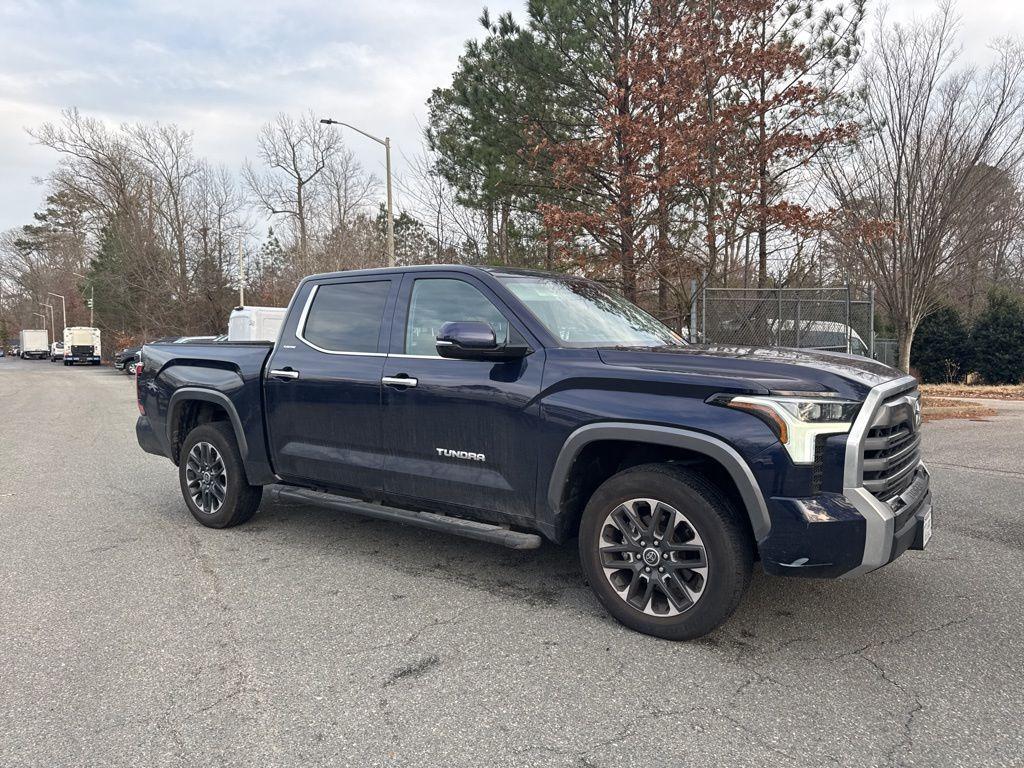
{"x": 844, "y": 534}
{"x": 852, "y": 532}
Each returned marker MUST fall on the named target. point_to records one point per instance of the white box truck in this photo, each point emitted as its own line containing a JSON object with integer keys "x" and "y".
{"x": 81, "y": 345}
{"x": 34, "y": 344}
{"x": 255, "y": 323}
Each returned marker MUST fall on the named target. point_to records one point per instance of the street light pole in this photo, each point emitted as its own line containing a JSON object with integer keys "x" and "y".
{"x": 53, "y": 325}
{"x": 241, "y": 274}
{"x": 63, "y": 306}
{"x": 386, "y": 143}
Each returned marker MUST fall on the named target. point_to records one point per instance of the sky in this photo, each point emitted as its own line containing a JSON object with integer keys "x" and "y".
{"x": 222, "y": 68}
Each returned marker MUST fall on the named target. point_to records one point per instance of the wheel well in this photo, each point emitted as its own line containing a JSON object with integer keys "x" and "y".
{"x": 599, "y": 460}
{"x": 189, "y": 415}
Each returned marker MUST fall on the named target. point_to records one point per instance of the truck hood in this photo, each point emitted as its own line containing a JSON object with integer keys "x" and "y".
{"x": 765, "y": 369}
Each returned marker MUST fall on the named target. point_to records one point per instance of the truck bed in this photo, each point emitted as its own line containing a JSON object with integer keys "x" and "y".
{"x": 224, "y": 377}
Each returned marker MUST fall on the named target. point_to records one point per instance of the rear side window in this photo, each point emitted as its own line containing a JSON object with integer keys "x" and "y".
{"x": 346, "y": 317}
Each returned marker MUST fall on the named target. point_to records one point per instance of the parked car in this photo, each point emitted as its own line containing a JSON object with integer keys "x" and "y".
{"x": 194, "y": 339}
{"x": 124, "y": 359}
{"x": 56, "y": 351}
{"x": 510, "y": 406}
{"x": 123, "y": 356}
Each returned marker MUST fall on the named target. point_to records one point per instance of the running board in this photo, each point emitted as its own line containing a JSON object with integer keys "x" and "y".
{"x": 469, "y": 529}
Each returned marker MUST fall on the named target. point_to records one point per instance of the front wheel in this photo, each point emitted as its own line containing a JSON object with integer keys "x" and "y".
{"x": 212, "y": 477}
{"x": 665, "y": 551}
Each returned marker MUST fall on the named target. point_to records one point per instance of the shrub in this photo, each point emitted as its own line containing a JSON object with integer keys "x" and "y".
{"x": 941, "y": 347}
{"x": 998, "y": 340}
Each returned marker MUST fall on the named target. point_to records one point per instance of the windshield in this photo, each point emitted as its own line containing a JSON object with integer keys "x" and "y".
{"x": 580, "y": 313}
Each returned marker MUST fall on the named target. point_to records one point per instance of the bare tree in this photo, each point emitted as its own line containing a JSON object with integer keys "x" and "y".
{"x": 165, "y": 151}
{"x": 348, "y": 189}
{"x": 296, "y": 153}
{"x": 457, "y": 231}
{"x": 934, "y": 140}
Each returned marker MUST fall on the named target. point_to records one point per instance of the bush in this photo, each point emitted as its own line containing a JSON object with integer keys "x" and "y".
{"x": 941, "y": 348}
{"x": 998, "y": 340}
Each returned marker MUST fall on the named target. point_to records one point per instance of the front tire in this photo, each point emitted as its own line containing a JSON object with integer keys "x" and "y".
{"x": 212, "y": 477}
{"x": 665, "y": 552}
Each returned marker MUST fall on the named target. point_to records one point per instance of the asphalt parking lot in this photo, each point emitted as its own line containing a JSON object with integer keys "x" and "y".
{"x": 130, "y": 635}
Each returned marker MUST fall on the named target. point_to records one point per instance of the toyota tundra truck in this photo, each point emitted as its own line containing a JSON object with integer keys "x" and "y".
{"x": 515, "y": 406}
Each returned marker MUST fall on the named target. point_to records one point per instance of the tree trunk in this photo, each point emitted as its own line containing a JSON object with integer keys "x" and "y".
{"x": 905, "y": 335}
{"x": 762, "y": 175}
{"x": 490, "y": 233}
{"x": 503, "y": 248}
{"x": 711, "y": 202}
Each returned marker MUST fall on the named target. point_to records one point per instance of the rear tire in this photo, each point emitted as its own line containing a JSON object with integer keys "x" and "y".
{"x": 665, "y": 552}
{"x": 212, "y": 477}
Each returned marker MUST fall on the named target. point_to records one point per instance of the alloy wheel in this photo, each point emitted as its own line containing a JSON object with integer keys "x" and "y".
{"x": 653, "y": 557}
{"x": 206, "y": 477}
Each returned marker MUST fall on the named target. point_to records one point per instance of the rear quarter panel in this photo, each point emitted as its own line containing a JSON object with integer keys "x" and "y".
{"x": 229, "y": 374}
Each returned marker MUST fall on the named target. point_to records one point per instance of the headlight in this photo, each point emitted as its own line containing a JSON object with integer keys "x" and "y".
{"x": 799, "y": 420}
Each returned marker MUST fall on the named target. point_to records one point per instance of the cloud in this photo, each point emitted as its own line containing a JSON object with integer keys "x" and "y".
{"x": 221, "y": 69}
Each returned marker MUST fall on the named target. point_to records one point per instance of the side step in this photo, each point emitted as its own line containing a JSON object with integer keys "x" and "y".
{"x": 469, "y": 529}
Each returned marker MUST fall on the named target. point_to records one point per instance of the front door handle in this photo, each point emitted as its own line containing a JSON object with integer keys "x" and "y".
{"x": 286, "y": 373}
{"x": 400, "y": 381}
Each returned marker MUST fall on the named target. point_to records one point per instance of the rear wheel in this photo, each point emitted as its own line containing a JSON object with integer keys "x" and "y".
{"x": 665, "y": 552}
{"x": 212, "y": 477}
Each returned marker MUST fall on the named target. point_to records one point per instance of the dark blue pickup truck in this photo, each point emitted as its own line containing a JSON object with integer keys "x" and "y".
{"x": 508, "y": 406}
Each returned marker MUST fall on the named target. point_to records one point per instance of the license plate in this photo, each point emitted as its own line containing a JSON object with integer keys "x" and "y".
{"x": 927, "y": 534}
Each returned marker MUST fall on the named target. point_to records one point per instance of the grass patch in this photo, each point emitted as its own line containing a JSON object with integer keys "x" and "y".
{"x": 939, "y": 408}
{"x": 1004, "y": 392}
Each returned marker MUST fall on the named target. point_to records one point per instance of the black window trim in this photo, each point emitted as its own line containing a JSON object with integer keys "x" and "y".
{"x": 300, "y": 328}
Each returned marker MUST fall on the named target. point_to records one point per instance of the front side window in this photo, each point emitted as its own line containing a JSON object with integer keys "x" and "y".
{"x": 436, "y": 301}
{"x": 580, "y": 313}
{"x": 346, "y": 317}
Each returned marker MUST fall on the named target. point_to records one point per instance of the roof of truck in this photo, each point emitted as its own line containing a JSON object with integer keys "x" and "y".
{"x": 456, "y": 268}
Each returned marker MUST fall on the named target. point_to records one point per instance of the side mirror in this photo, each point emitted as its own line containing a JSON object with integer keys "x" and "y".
{"x": 475, "y": 340}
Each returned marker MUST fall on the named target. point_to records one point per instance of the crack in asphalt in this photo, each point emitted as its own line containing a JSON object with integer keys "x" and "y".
{"x": 983, "y": 470}
{"x": 414, "y": 670}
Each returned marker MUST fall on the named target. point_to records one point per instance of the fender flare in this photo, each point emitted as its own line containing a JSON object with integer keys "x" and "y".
{"x": 698, "y": 442}
{"x": 191, "y": 394}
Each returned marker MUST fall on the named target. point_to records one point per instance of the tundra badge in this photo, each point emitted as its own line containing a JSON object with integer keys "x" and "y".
{"x": 450, "y": 454}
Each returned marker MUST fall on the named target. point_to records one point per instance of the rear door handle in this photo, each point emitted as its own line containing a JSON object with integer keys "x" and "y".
{"x": 286, "y": 373}
{"x": 400, "y": 381}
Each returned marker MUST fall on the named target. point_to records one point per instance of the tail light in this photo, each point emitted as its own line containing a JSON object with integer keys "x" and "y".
{"x": 138, "y": 388}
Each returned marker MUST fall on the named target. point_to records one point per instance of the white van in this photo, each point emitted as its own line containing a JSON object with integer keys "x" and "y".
{"x": 81, "y": 345}
{"x": 255, "y": 323}
{"x": 822, "y": 335}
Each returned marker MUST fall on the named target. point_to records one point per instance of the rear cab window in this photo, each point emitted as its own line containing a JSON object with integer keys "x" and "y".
{"x": 345, "y": 318}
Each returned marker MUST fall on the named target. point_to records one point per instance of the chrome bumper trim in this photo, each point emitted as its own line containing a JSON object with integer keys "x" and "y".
{"x": 878, "y": 516}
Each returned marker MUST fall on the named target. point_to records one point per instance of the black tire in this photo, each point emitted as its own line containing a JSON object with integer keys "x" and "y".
{"x": 239, "y": 500}
{"x": 704, "y": 524}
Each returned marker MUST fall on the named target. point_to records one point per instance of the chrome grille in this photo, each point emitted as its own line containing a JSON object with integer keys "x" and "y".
{"x": 892, "y": 448}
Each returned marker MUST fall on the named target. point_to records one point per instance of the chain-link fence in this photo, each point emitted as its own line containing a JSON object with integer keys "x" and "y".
{"x": 833, "y": 319}
{"x": 886, "y": 352}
